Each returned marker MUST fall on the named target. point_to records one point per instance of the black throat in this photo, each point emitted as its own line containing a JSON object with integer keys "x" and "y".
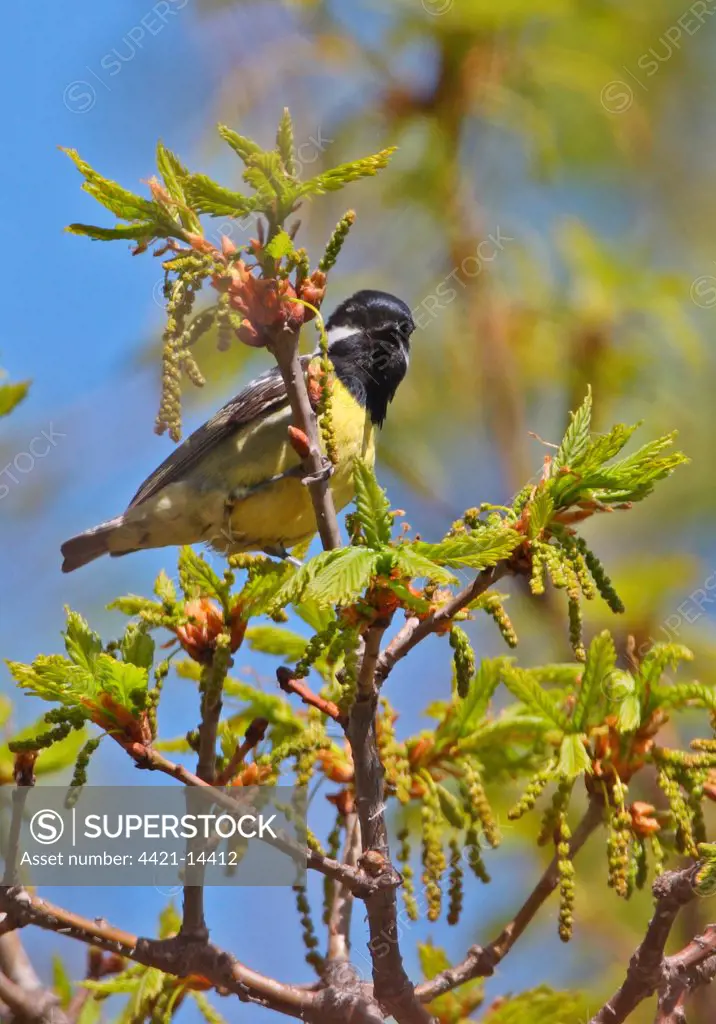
{"x": 371, "y": 369}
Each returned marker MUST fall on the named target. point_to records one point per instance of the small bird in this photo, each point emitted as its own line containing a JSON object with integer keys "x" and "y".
{"x": 236, "y": 482}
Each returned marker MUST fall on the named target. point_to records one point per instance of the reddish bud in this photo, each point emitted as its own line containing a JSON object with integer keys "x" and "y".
{"x": 299, "y": 442}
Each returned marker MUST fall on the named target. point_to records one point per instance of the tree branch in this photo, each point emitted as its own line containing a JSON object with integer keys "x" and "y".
{"x": 645, "y": 974}
{"x": 359, "y": 882}
{"x": 416, "y": 629}
{"x": 172, "y": 956}
{"x": 284, "y": 349}
{"x": 391, "y": 985}
{"x": 693, "y": 966}
{"x": 481, "y": 961}
{"x": 193, "y": 924}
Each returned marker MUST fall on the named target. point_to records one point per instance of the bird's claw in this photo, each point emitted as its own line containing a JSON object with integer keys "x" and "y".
{"x": 324, "y": 473}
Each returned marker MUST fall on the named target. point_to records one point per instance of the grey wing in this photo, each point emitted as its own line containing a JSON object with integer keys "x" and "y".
{"x": 265, "y": 393}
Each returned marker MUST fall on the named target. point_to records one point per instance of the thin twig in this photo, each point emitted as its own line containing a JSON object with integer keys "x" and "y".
{"x": 37, "y": 1005}
{"x": 290, "y": 685}
{"x": 416, "y": 629}
{"x": 481, "y": 961}
{"x": 285, "y": 351}
{"x": 253, "y": 736}
{"x": 339, "y": 921}
{"x": 360, "y": 882}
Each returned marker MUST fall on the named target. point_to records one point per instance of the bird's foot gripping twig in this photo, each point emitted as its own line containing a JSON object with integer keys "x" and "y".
{"x": 323, "y": 474}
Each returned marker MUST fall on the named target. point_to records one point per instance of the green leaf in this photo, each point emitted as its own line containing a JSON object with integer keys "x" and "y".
{"x": 293, "y": 588}
{"x": 576, "y": 438}
{"x": 137, "y": 646}
{"x": 207, "y": 196}
{"x": 11, "y": 395}
{"x": 476, "y": 550}
{"x": 91, "y": 1012}
{"x": 276, "y": 640}
{"x": 143, "y": 231}
{"x": 372, "y": 506}
{"x": 315, "y": 617}
{"x": 659, "y": 658}
{"x": 601, "y": 659}
{"x": 541, "y": 508}
{"x": 123, "y": 682}
{"x": 524, "y": 687}
{"x": 540, "y": 1005}
{"x": 81, "y": 643}
{"x": 467, "y": 713}
{"x": 280, "y": 245}
{"x": 123, "y": 204}
{"x": 261, "y": 594}
{"x": 419, "y": 567}
{"x": 603, "y": 448}
{"x": 344, "y": 577}
{"x": 339, "y": 177}
{"x": 433, "y": 959}
{"x": 175, "y": 175}
{"x": 284, "y": 142}
{"x": 169, "y": 921}
{"x": 164, "y": 588}
{"x": 450, "y": 806}
{"x": 573, "y": 756}
{"x": 198, "y": 579}
{"x": 132, "y": 604}
{"x": 265, "y": 173}
{"x": 629, "y": 714}
{"x": 241, "y": 145}
{"x": 61, "y": 982}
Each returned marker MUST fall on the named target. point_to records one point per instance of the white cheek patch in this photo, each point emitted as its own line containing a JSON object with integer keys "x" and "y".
{"x": 339, "y": 333}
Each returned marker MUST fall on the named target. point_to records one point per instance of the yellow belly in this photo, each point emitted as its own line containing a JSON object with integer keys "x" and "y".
{"x": 281, "y": 514}
{"x": 226, "y": 499}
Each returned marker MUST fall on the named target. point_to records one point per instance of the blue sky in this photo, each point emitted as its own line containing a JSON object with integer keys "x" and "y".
{"x": 109, "y": 80}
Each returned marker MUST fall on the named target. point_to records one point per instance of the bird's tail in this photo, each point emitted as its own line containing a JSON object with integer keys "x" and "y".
{"x": 87, "y": 546}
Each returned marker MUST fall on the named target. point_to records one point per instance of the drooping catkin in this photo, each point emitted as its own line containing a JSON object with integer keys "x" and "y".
{"x": 538, "y": 568}
{"x": 406, "y": 870}
{"x": 464, "y": 660}
{"x": 474, "y": 855}
{"x": 618, "y": 849}
{"x": 565, "y": 869}
{"x": 575, "y": 629}
{"x": 535, "y": 787}
{"x": 308, "y": 931}
{"x": 575, "y": 557}
{"x": 314, "y": 648}
{"x": 602, "y": 581}
{"x": 433, "y": 855}
{"x": 455, "y": 891}
{"x": 496, "y": 610}
{"x": 393, "y": 754}
{"x": 681, "y": 813}
{"x": 477, "y": 804}
{"x": 79, "y": 775}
